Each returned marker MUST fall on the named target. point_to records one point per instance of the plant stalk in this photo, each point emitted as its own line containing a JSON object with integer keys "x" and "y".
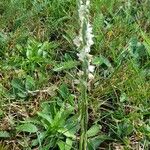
{"x": 84, "y": 109}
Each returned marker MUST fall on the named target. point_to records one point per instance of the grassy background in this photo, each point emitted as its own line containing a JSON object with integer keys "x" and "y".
{"x": 37, "y": 53}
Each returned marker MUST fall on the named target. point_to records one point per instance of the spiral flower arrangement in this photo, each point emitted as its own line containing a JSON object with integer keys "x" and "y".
{"x": 84, "y": 41}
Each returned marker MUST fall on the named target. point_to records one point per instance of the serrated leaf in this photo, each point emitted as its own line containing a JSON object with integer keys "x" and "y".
{"x": 4, "y": 134}
{"x": 27, "y": 127}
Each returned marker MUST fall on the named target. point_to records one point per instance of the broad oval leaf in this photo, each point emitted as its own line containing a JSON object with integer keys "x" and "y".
{"x": 4, "y": 134}
{"x": 93, "y": 131}
{"x": 27, "y": 127}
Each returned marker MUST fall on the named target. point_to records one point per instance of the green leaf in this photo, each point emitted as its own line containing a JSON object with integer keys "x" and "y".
{"x": 123, "y": 97}
{"x": 47, "y": 117}
{"x": 27, "y": 127}
{"x": 29, "y": 84}
{"x": 65, "y": 65}
{"x": 67, "y": 133}
{"x": 93, "y": 131}
{"x": 22, "y": 94}
{"x": 64, "y": 91}
{"x": 147, "y": 46}
{"x": 1, "y": 113}
{"x": 94, "y": 143}
{"x": 17, "y": 84}
{"x": 28, "y": 53}
{"x": 61, "y": 145}
{"x": 4, "y": 134}
{"x": 18, "y": 88}
{"x": 58, "y": 120}
{"x": 41, "y": 136}
{"x": 90, "y": 146}
{"x": 102, "y": 60}
{"x": 68, "y": 144}
{"x": 65, "y": 94}
{"x": 97, "y": 61}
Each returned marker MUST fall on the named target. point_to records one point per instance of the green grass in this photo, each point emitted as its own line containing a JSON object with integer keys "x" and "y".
{"x": 38, "y": 66}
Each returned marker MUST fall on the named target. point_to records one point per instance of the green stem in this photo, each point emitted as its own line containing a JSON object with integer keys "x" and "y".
{"x": 84, "y": 110}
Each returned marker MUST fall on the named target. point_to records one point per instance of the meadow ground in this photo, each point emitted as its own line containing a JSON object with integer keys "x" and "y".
{"x": 39, "y": 65}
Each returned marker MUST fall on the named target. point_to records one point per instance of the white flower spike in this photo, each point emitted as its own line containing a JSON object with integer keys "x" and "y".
{"x": 85, "y": 39}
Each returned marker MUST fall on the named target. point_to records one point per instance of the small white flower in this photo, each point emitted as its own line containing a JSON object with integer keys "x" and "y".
{"x": 81, "y": 56}
{"x": 80, "y": 73}
{"x": 91, "y": 68}
{"x": 77, "y": 41}
{"x": 90, "y": 42}
{"x": 87, "y": 49}
{"x": 76, "y": 81}
{"x": 89, "y": 28}
{"x": 87, "y": 2}
{"x": 89, "y": 57}
{"x": 90, "y": 76}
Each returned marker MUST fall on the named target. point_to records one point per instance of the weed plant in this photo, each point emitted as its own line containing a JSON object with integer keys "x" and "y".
{"x": 39, "y": 67}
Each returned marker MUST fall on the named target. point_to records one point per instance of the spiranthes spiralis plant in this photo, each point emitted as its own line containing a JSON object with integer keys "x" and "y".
{"x": 84, "y": 41}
